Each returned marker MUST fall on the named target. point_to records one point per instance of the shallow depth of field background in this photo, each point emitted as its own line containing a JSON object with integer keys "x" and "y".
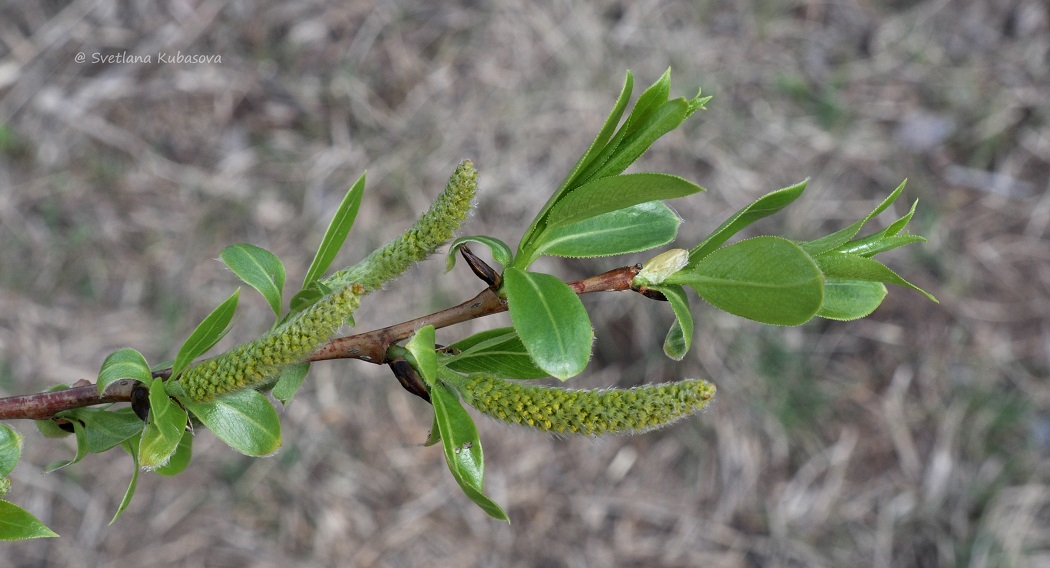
{"x": 919, "y": 436}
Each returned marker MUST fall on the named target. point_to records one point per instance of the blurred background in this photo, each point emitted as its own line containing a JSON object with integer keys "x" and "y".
{"x": 916, "y": 437}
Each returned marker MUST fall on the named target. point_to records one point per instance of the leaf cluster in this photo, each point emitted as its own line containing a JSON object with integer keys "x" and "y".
{"x": 598, "y": 210}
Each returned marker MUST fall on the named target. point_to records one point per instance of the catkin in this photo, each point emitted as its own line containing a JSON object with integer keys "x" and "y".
{"x": 436, "y": 227}
{"x": 587, "y": 412}
{"x": 254, "y": 363}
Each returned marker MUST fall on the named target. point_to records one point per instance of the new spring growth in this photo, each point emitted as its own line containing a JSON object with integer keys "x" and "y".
{"x": 254, "y": 363}
{"x": 587, "y": 412}
{"x": 658, "y": 268}
{"x": 435, "y": 228}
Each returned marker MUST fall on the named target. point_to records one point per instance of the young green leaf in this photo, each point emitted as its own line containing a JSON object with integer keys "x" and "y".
{"x": 846, "y": 300}
{"x": 501, "y": 253}
{"x": 50, "y": 429}
{"x": 289, "y": 382}
{"x": 766, "y": 279}
{"x": 105, "y": 429}
{"x": 335, "y": 235}
{"x": 421, "y": 346}
{"x": 123, "y": 364}
{"x": 680, "y": 337}
{"x": 634, "y": 229}
{"x": 167, "y": 422}
{"x": 551, "y": 321}
{"x": 649, "y": 102}
{"x": 18, "y": 524}
{"x": 498, "y": 351}
{"x": 764, "y": 206}
{"x": 258, "y": 268}
{"x": 244, "y": 419}
{"x": 307, "y": 297}
{"x": 842, "y": 266}
{"x": 80, "y": 435}
{"x": 632, "y": 144}
{"x": 462, "y": 448}
{"x": 10, "y": 449}
{"x": 840, "y": 237}
{"x": 455, "y": 428}
{"x": 596, "y": 148}
{"x": 181, "y": 458}
{"x": 132, "y": 448}
{"x": 613, "y": 193}
{"x": 207, "y": 334}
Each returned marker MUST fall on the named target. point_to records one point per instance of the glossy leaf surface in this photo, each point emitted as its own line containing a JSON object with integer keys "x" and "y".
{"x": 634, "y": 229}
{"x": 551, "y": 321}
{"x": 766, "y": 279}
{"x": 244, "y": 419}
{"x": 207, "y": 334}
{"x": 258, "y": 268}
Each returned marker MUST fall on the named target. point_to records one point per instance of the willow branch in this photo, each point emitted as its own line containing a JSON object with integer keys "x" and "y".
{"x": 371, "y": 346}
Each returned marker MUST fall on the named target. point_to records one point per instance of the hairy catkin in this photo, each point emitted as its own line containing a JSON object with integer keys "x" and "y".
{"x": 256, "y": 362}
{"x": 588, "y": 412}
{"x": 433, "y": 229}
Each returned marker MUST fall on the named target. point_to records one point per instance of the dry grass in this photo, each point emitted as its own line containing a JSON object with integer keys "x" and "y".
{"x": 917, "y": 437}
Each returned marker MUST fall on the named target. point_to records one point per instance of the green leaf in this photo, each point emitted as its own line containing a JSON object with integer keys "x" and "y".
{"x": 434, "y": 436}
{"x": 551, "y": 321}
{"x": 50, "y": 429}
{"x": 680, "y": 337}
{"x": 634, "y": 229}
{"x": 167, "y": 422}
{"x": 132, "y": 448}
{"x": 289, "y": 382}
{"x": 421, "y": 346}
{"x": 840, "y": 237}
{"x": 181, "y": 458}
{"x": 18, "y": 524}
{"x": 258, "y": 268}
{"x": 766, "y": 279}
{"x": 846, "y": 300}
{"x": 498, "y": 351}
{"x": 764, "y": 206}
{"x": 207, "y": 334}
{"x": 335, "y": 235}
{"x": 10, "y": 449}
{"x": 80, "y": 435}
{"x": 648, "y": 103}
{"x": 501, "y": 253}
{"x": 462, "y": 448}
{"x": 123, "y": 364}
{"x": 629, "y": 148}
{"x": 105, "y": 429}
{"x": 872, "y": 246}
{"x": 244, "y": 419}
{"x": 307, "y": 297}
{"x": 596, "y": 147}
{"x": 842, "y": 266}
{"x": 613, "y": 193}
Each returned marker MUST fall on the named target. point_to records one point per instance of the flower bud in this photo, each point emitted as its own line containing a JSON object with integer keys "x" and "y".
{"x": 658, "y": 268}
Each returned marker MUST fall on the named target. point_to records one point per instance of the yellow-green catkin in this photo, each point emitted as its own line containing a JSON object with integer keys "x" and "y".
{"x": 256, "y": 362}
{"x": 436, "y": 227}
{"x": 587, "y": 412}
